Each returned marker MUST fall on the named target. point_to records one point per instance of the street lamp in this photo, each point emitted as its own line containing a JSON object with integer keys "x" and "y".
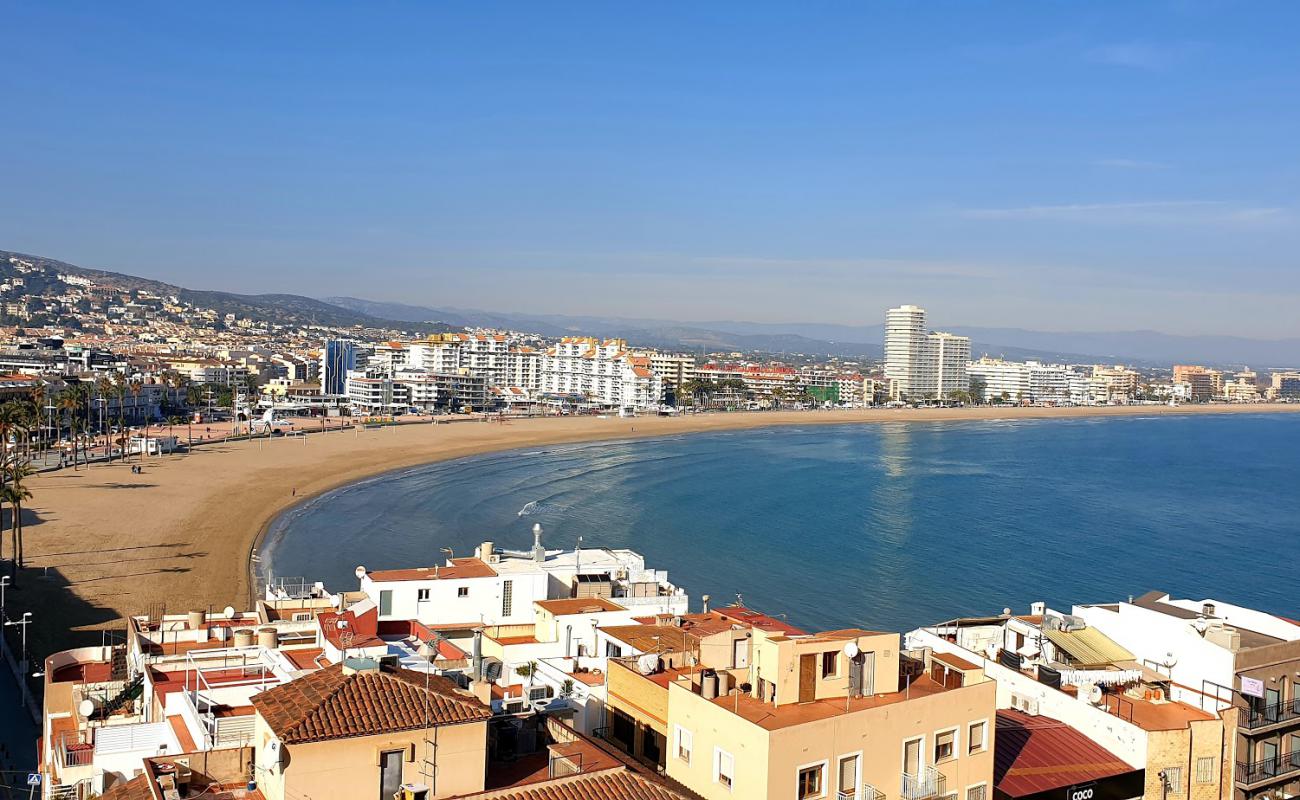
{"x": 4, "y": 581}
{"x": 24, "y": 621}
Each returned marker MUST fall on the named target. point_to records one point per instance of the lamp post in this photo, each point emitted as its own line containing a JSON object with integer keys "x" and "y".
{"x": 4, "y": 581}
{"x": 24, "y": 621}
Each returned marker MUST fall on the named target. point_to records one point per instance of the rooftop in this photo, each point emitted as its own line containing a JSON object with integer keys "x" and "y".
{"x": 460, "y": 568}
{"x": 336, "y": 703}
{"x": 1039, "y": 754}
{"x": 770, "y": 717}
{"x": 612, "y": 784}
{"x": 578, "y": 605}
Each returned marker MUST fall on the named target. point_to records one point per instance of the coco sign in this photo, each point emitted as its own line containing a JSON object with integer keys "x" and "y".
{"x": 1083, "y": 791}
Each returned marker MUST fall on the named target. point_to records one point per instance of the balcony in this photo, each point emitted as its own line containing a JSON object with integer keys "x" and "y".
{"x": 1268, "y": 770}
{"x": 928, "y": 783}
{"x": 1256, "y": 718}
{"x": 868, "y": 792}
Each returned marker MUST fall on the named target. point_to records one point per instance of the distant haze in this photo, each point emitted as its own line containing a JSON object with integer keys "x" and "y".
{"x": 1057, "y": 167}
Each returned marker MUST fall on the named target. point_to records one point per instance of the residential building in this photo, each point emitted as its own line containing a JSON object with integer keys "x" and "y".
{"x": 338, "y": 358}
{"x": 1230, "y": 660}
{"x": 673, "y": 369}
{"x": 1113, "y": 384}
{"x": 602, "y": 372}
{"x": 1202, "y": 384}
{"x": 1285, "y": 386}
{"x": 920, "y": 364}
{"x": 836, "y": 714}
{"x": 361, "y": 729}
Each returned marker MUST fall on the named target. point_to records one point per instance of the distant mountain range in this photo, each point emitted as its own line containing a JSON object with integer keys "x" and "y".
{"x": 1144, "y": 348}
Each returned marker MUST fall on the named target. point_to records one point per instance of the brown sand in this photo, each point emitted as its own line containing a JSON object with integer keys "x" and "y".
{"x": 103, "y": 542}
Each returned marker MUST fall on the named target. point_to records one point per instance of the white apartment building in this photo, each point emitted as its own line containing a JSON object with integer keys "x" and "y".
{"x": 604, "y": 372}
{"x": 673, "y": 369}
{"x": 1031, "y": 381}
{"x": 499, "y": 587}
{"x": 919, "y": 364}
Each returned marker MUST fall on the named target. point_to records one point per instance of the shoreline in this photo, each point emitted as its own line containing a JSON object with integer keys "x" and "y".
{"x": 184, "y": 532}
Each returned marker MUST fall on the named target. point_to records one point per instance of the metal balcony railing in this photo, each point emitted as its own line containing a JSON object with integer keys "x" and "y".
{"x": 868, "y": 792}
{"x": 1252, "y": 718}
{"x": 928, "y": 783}
{"x": 1280, "y": 766}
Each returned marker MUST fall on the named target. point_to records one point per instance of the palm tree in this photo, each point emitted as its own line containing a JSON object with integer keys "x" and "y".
{"x": 38, "y": 403}
{"x": 134, "y": 388}
{"x": 104, "y": 389}
{"x": 11, "y": 420}
{"x": 70, "y": 401}
{"x": 15, "y": 493}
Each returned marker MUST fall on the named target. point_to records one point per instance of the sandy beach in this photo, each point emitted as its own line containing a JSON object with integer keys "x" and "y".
{"x": 104, "y": 542}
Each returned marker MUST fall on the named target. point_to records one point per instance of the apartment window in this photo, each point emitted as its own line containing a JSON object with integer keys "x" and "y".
{"x": 977, "y": 792}
{"x": 1174, "y": 779}
{"x": 422, "y": 595}
{"x": 812, "y": 782}
{"x": 829, "y": 660}
{"x": 975, "y": 736}
{"x": 613, "y": 650}
{"x": 385, "y": 602}
{"x": 724, "y": 767}
{"x": 945, "y": 746}
{"x": 685, "y": 740}
{"x": 507, "y": 598}
{"x": 1205, "y": 769}
{"x": 462, "y": 591}
{"x": 539, "y": 693}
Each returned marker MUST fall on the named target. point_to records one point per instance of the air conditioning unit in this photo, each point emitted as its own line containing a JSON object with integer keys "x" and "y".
{"x": 412, "y": 791}
{"x": 1029, "y": 705}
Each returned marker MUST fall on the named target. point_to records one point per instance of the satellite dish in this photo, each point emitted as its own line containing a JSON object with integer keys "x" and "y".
{"x": 272, "y": 753}
{"x": 851, "y": 650}
{"x": 1094, "y": 693}
{"x": 229, "y": 612}
{"x": 86, "y": 708}
{"x": 336, "y": 600}
{"x": 360, "y": 572}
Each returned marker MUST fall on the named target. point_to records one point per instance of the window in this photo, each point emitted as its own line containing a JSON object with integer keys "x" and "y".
{"x": 1205, "y": 770}
{"x": 830, "y": 660}
{"x": 977, "y": 792}
{"x": 463, "y": 591}
{"x": 421, "y": 595}
{"x": 385, "y": 602}
{"x": 613, "y": 650}
{"x": 944, "y": 746}
{"x": 507, "y": 598}
{"x": 539, "y": 693}
{"x": 812, "y": 782}
{"x": 724, "y": 767}
{"x": 684, "y": 742}
{"x": 1174, "y": 779}
{"x": 975, "y": 736}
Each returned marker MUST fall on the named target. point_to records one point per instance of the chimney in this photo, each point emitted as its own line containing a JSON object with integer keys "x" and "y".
{"x": 1038, "y": 609}
{"x": 1207, "y": 609}
{"x": 705, "y": 598}
{"x": 539, "y": 552}
{"x": 485, "y": 552}
{"x": 476, "y": 664}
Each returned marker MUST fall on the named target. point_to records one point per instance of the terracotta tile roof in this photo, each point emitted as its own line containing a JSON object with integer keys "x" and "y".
{"x": 330, "y": 704}
{"x": 1039, "y": 754}
{"x": 758, "y": 620}
{"x": 460, "y": 568}
{"x": 615, "y": 784}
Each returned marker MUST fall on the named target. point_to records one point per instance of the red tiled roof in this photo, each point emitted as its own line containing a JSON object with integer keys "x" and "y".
{"x": 615, "y": 784}
{"x": 362, "y": 621}
{"x": 578, "y": 605}
{"x": 331, "y": 704}
{"x": 759, "y": 620}
{"x": 460, "y": 568}
{"x": 1039, "y": 754}
{"x": 135, "y": 789}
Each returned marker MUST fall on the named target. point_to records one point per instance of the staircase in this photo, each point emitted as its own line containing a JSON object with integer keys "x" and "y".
{"x": 129, "y": 692}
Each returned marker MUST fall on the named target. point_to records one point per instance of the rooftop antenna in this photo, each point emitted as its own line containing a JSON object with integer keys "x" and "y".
{"x": 539, "y": 552}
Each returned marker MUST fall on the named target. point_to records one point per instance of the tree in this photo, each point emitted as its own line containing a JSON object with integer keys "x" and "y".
{"x": 15, "y": 493}
{"x": 978, "y": 386}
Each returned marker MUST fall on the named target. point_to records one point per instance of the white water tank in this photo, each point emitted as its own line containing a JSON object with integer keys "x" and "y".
{"x": 244, "y": 637}
{"x": 268, "y": 638}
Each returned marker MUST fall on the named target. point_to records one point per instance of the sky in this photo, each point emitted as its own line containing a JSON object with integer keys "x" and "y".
{"x": 1049, "y": 165}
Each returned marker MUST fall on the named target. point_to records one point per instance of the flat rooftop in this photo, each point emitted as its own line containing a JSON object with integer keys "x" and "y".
{"x": 770, "y": 717}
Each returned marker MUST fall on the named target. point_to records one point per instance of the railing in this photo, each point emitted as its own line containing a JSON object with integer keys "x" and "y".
{"x": 929, "y": 782}
{"x": 1268, "y": 769}
{"x": 868, "y": 792}
{"x": 1252, "y": 718}
{"x": 74, "y": 753}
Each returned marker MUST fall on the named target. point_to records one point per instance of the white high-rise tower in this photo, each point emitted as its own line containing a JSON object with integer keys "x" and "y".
{"x": 921, "y": 365}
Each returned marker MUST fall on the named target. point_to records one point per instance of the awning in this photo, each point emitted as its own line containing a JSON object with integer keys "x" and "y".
{"x": 1088, "y": 647}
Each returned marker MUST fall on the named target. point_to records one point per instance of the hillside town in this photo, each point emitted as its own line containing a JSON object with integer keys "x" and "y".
{"x": 128, "y": 357}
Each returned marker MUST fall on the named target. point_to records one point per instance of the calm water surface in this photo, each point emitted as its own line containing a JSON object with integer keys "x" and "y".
{"x": 885, "y": 526}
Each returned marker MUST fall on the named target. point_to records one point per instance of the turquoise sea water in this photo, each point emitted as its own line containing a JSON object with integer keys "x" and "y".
{"x": 884, "y": 526}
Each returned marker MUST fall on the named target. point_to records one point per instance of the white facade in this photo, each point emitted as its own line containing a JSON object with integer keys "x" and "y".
{"x": 604, "y": 372}
{"x": 922, "y": 365}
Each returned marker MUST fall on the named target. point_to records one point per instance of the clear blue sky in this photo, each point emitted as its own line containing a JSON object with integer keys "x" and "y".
{"x": 1058, "y": 165}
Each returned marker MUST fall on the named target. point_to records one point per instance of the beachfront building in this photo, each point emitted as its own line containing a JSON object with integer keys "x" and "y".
{"x": 1230, "y": 660}
{"x": 496, "y": 586}
{"x": 338, "y": 358}
{"x": 1203, "y": 384}
{"x": 1057, "y": 665}
{"x": 1112, "y": 384}
{"x": 919, "y": 364}
{"x": 672, "y": 369}
{"x": 1028, "y": 381}
{"x": 1284, "y": 386}
{"x": 601, "y": 372}
{"x": 764, "y": 383}
{"x": 837, "y": 714}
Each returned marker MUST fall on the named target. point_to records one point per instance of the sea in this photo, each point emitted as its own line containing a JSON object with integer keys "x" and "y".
{"x": 882, "y": 526}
